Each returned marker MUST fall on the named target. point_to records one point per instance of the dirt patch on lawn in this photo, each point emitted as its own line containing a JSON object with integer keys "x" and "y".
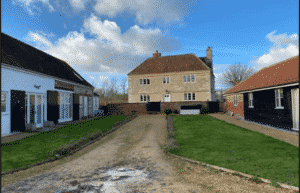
{"x": 131, "y": 159}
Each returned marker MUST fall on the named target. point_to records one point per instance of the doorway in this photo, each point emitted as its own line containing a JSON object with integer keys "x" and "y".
{"x": 34, "y": 109}
{"x": 17, "y": 103}
{"x": 167, "y": 98}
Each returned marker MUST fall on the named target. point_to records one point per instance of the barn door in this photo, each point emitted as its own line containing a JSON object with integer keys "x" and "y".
{"x": 17, "y": 108}
{"x": 295, "y": 108}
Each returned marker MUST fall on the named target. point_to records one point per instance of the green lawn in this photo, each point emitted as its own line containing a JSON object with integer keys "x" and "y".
{"x": 212, "y": 141}
{"x": 33, "y": 149}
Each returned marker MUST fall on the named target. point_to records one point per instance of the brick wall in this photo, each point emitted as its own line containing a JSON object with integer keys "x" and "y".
{"x": 237, "y": 110}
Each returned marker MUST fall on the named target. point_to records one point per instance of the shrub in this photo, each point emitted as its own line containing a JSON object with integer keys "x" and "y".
{"x": 167, "y": 111}
{"x": 176, "y": 112}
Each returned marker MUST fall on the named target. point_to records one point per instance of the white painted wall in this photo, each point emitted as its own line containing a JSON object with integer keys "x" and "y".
{"x": 18, "y": 80}
{"x": 190, "y": 112}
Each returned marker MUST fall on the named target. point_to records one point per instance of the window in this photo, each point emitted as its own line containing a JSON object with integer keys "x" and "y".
{"x": 145, "y": 98}
{"x": 189, "y": 96}
{"x": 166, "y": 80}
{"x": 3, "y": 102}
{"x": 278, "y": 97}
{"x": 190, "y": 78}
{"x": 144, "y": 81}
{"x": 235, "y": 100}
{"x": 250, "y": 97}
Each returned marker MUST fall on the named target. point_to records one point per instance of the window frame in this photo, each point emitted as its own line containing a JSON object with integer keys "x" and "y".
{"x": 189, "y": 96}
{"x": 278, "y": 97}
{"x": 250, "y": 99}
{"x": 235, "y": 101}
{"x": 189, "y": 79}
{"x": 6, "y": 102}
{"x": 144, "y": 98}
{"x": 166, "y": 79}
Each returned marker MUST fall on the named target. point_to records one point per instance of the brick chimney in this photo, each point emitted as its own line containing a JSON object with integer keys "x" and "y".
{"x": 157, "y": 54}
{"x": 209, "y": 58}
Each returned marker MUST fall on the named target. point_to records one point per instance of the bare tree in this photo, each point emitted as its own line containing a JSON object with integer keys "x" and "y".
{"x": 113, "y": 86}
{"x": 123, "y": 85}
{"x": 235, "y": 74}
{"x": 105, "y": 86}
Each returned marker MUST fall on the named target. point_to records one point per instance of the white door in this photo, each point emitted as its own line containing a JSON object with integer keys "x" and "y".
{"x": 34, "y": 109}
{"x": 85, "y": 106}
{"x": 166, "y": 97}
{"x": 295, "y": 108}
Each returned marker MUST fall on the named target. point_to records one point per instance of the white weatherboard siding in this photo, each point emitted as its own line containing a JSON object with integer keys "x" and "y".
{"x": 189, "y": 112}
{"x": 16, "y": 80}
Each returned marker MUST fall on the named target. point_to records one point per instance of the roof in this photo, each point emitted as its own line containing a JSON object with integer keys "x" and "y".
{"x": 19, "y": 54}
{"x": 96, "y": 94}
{"x": 281, "y": 73}
{"x": 167, "y": 64}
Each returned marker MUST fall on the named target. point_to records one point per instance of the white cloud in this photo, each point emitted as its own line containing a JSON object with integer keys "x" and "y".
{"x": 29, "y": 5}
{"x": 146, "y": 10}
{"x": 110, "y": 51}
{"x": 284, "y": 47}
{"x": 78, "y": 5}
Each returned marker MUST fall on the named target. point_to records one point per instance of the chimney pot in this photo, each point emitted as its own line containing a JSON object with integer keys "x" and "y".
{"x": 157, "y": 54}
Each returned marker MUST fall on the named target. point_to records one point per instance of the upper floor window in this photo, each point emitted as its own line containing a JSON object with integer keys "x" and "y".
{"x": 235, "y": 101}
{"x": 278, "y": 97}
{"x": 3, "y": 102}
{"x": 144, "y": 81}
{"x": 250, "y": 97}
{"x": 189, "y": 78}
{"x": 166, "y": 80}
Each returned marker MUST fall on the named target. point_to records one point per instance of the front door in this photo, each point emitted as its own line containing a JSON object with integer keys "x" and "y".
{"x": 35, "y": 109}
{"x": 167, "y": 98}
{"x": 85, "y": 105}
{"x": 17, "y": 105}
{"x": 295, "y": 108}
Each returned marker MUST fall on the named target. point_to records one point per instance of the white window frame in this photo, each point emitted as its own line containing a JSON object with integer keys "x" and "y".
{"x": 142, "y": 81}
{"x": 166, "y": 79}
{"x": 235, "y": 100}
{"x": 278, "y": 96}
{"x": 250, "y": 98}
{"x": 189, "y": 95}
{"x": 189, "y": 79}
{"x": 5, "y": 96}
{"x": 144, "y": 98}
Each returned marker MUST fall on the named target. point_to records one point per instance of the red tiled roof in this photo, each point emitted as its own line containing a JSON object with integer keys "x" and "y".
{"x": 282, "y": 73}
{"x": 165, "y": 64}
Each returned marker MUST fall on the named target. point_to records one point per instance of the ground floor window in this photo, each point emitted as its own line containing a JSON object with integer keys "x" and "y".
{"x": 66, "y": 106}
{"x": 3, "y": 102}
{"x": 189, "y": 96}
{"x": 144, "y": 98}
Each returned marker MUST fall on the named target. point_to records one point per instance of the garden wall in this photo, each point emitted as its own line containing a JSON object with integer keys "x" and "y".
{"x": 141, "y": 108}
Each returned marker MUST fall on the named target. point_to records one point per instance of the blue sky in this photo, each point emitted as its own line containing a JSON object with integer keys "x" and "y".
{"x": 103, "y": 39}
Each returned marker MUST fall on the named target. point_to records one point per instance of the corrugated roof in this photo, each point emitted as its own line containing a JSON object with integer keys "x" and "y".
{"x": 166, "y": 64}
{"x": 281, "y": 73}
{"x": 19, "y": 54}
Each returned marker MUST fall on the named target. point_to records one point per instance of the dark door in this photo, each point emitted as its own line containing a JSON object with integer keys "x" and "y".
{"x": 153, "y": 107}
{"x": 75, "y": 106}
{"x": 52, "y": 106}
{"x": 17, "y": 109}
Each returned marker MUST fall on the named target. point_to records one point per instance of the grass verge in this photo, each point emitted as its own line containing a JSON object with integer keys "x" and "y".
{"x": 216, "y": 142}
{"x": 59, "y": 142}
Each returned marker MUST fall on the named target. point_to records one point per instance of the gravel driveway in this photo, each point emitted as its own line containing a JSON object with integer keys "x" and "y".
{"x": 131, "y": 159}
